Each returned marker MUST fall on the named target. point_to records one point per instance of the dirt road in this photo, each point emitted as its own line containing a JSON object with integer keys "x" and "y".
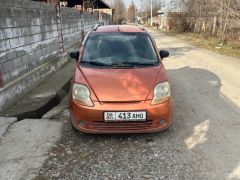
{"x": 203, "y": 143}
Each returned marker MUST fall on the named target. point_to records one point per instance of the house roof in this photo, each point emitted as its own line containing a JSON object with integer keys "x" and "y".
{"x": 101, "y": 4}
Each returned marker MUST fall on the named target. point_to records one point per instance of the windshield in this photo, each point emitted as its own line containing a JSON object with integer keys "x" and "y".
{"x": 119, "y": 50}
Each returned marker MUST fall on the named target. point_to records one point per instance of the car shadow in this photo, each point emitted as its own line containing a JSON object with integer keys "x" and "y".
{"x": 194, "y": 123}
{"x": 187, "y": 150}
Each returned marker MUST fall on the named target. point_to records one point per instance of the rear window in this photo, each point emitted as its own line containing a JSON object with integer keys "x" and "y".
{"x": 119, "y": 50}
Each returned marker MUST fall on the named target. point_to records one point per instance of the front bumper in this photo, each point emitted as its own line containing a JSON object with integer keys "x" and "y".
{"x": 91, "y": 119}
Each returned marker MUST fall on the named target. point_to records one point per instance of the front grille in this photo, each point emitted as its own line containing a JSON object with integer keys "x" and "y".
{"x": 119, "y": 126}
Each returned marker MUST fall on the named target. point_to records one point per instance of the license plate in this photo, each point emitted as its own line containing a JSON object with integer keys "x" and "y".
{"x": 125, "y": 116}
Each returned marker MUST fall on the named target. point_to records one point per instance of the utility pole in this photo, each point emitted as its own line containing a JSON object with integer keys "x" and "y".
{"x": 117, "y": 11}
{"x": 151, "y": 23}
{"x": 135, "y": 14}
{"x": 141, "y": 10}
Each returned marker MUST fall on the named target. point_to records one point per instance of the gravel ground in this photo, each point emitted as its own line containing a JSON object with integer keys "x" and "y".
{"x": 149, "y": 156}
{"x": 203, "y": 142}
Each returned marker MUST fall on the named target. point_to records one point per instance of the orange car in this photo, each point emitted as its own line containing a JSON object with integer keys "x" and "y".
{"x": 120, "y": 84}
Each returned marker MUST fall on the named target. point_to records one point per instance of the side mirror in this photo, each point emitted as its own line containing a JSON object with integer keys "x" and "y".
{"x": 74, "y": 55}
{"x": 164, "y": 54}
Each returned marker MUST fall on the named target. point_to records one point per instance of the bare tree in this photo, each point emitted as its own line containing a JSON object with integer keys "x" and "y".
{"x": 131, "y": 12}
{"x": 120, "y": 11}
{"x": 157, "y": 4}
{"x": 209, "y": 17}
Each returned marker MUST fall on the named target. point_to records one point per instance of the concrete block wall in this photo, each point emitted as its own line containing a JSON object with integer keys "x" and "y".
{"x": 74, "y": 23}
{"x": 32, "y": 34}
{"x": 29, "y": 36}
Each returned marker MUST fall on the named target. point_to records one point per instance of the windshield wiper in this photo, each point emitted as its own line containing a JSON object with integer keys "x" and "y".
{"x": 118, "y": 65}
{"x": 124, "y": 65}
{"x": 139, "y": 63}
{"x": 95, "y": 63}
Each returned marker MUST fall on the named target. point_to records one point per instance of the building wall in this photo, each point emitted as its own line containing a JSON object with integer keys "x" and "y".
{"x": 107, "y": 11}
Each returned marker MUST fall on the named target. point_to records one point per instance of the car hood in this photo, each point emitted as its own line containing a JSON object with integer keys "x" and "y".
{"x": 120, "y": 85}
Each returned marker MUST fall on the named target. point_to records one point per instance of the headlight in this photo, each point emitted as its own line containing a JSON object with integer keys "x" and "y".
{"x": 81, "y": 93}
{"x": 161, "y": 93}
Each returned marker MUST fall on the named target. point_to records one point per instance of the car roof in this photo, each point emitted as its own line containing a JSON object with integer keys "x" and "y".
{"x": 119, "y": 28}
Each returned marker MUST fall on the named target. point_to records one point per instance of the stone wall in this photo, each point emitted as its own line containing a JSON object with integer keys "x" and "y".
{"x": 32, "y": 35}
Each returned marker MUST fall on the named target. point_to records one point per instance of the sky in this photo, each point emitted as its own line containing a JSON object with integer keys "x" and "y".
{"x": 138, "y": 2}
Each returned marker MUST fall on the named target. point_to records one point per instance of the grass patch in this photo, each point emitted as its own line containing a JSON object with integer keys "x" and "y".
{"x": 210, "y": 43}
